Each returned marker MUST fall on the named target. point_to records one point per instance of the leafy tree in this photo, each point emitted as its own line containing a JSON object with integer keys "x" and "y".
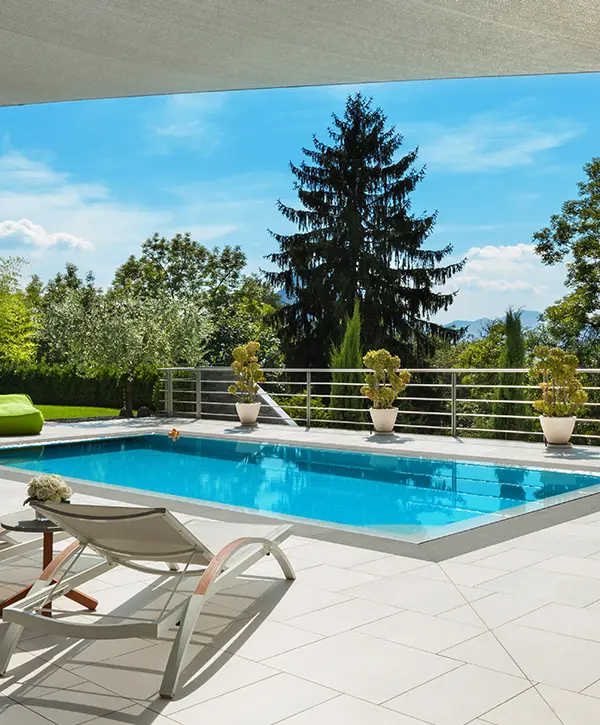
{"x": 126, "y": 333}
{"x": 573, "y": 237}
{"x": 63, "y": 283}
{"x": 180, "y": 268}
{"x": 348, "y": 354}
{"x": 357, "y": 239}
{"x": 566, "y": 324}
{"x": 17, "y": 325}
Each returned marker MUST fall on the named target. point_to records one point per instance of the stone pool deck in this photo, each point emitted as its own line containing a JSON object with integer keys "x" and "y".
{"x": 505, "y": 635}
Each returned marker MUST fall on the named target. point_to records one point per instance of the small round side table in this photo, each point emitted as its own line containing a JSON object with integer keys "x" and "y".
{"x": 47, "y": 528}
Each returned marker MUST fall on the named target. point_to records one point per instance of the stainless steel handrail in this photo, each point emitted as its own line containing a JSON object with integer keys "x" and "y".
{"x": 447, "y": 406}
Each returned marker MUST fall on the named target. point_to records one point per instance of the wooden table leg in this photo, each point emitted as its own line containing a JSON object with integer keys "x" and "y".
{"x": 84, "y": 599}
{"x": 75, "y": 595}
{"x": 47, "y": 556}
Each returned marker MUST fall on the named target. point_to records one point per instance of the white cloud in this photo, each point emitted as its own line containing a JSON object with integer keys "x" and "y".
{"x": 489, "y": 142}
{"x": 26, "y": 232}
{"x": 50, "y": 218}
{"x": 497, "y": 276}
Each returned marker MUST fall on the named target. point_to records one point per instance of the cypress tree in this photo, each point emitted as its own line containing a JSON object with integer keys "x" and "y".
{"x": 348, "y": 354}
{"x": 356, "y": 238}
{"x": 512, "y": 356}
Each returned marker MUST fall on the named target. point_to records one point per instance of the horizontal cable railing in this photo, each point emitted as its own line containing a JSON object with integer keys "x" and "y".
{"x": 467, "y": 402}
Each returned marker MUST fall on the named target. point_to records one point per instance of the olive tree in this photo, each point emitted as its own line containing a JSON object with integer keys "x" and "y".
{"x": 126, "y": 332}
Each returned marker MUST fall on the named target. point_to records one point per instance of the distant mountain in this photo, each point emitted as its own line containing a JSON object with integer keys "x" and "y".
{"x": 475, "y": 328}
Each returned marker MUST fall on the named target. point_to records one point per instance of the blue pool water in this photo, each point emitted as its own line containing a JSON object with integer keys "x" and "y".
{"x": 384, "y": 492}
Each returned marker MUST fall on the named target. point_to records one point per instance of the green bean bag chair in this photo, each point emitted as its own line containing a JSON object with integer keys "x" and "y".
{"x": 18, "y": 416}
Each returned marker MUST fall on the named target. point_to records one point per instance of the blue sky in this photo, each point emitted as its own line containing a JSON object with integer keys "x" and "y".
{"x": 89, "y": 181}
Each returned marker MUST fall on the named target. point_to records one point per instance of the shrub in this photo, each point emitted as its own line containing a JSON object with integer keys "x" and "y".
{"x": 65, "y": 385}
{"x": 386, "y": 381}
{"x": 562, "y": 392}
{"x": 295, "y": 407}
{"x": 247, "y": 371}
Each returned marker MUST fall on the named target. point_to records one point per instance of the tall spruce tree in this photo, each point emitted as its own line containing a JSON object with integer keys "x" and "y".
{"x": 357, "y": 239}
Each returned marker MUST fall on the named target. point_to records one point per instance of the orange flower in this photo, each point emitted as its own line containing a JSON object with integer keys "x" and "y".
{"x": 174, "y": 434}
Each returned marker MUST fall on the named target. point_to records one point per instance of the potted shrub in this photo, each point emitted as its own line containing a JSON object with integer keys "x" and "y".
{"x": 248, "y": 374}
{"x": 562, "y": 392}
{"x": 383, "y": 386}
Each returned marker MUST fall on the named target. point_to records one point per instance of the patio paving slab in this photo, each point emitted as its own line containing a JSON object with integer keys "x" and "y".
{"x": 367, "y": 667}
{"x": 408, "y": 591}
{"x": 421, "y": 631}
{"x": 263, "y": 703}
{"x": 552, "y": 659}
{"x": 553, "y": 707}
{"x": 486, "y": 651}
{"x": 342, "y": 617}
{"x": 459, "y": 696}
{"x": 349, "y": 711}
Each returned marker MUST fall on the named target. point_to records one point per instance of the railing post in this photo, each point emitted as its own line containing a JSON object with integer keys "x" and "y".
{"x": 169, "y": 393}
{"x": 198, "y": 393}
{"x": 308, "y": 397}
{"x": 453, "y": 404}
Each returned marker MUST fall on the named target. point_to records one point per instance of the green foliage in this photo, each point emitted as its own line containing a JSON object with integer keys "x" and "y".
{"x": 66, "y": 384}
{"x": 237, "y": 306}
{"x": 125, "y": 332}
{"x": 17, "y": 325}
{"x": 386, "y": 381}
{"x": 246, "y": 368}
{"x": 246, "y": 315}
{"x": 562, "y": 391}
{"x": 512, "y": 356}
{"x": 295, "y": 407}
{"x": 348, "y": 354}
{"x": 17, "y": 329}
{"x": 356, "y": 238}
{"x": 484, "y": 352}
{"x": 180, "y": 268}
{"x": 573, "y": 237}
{"x": 566, "y": 324}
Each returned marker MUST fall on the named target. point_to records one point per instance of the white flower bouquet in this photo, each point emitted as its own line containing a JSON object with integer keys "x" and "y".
{"x": 48, "y": 487}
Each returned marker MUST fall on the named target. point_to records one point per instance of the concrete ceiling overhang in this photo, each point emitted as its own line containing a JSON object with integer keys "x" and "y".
{"x": 59, "y": 50}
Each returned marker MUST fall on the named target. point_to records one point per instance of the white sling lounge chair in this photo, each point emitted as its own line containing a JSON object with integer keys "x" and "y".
{"x": 135, "y": 538}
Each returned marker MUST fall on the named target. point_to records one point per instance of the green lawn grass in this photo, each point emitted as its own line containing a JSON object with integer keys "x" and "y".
{"x": 55, "y": 412}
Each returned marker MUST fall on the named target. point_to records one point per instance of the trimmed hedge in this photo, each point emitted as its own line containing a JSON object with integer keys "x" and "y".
{"x": 64, "y": 385}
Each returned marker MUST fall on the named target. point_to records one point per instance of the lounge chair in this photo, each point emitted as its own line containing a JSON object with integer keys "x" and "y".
{"x": 134, "y": 538}
{"x": 18, "y": 416}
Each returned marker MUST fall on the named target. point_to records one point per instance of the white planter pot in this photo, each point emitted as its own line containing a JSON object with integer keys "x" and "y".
{"x": 557, "y": 431}
{"x": 384, "y": 419}
{"x": 247, "y": 412}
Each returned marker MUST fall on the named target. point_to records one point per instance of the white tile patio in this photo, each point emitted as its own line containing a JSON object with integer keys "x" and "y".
{"x": 505, "y": 635}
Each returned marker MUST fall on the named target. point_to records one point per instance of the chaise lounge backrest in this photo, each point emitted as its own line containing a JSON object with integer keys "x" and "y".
{"x": 127, "y": 533}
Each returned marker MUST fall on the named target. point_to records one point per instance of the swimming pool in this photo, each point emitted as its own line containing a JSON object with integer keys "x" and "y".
{"x": 370, "y": 491}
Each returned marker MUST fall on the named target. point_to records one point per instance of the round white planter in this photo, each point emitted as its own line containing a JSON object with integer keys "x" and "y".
{"x": 557, "y": 431}
{"x": 384, "y": 419}
{"x": 247, "y": 412}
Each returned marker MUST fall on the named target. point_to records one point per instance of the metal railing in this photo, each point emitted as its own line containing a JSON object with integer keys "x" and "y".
{"x": 445, "y": 401}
